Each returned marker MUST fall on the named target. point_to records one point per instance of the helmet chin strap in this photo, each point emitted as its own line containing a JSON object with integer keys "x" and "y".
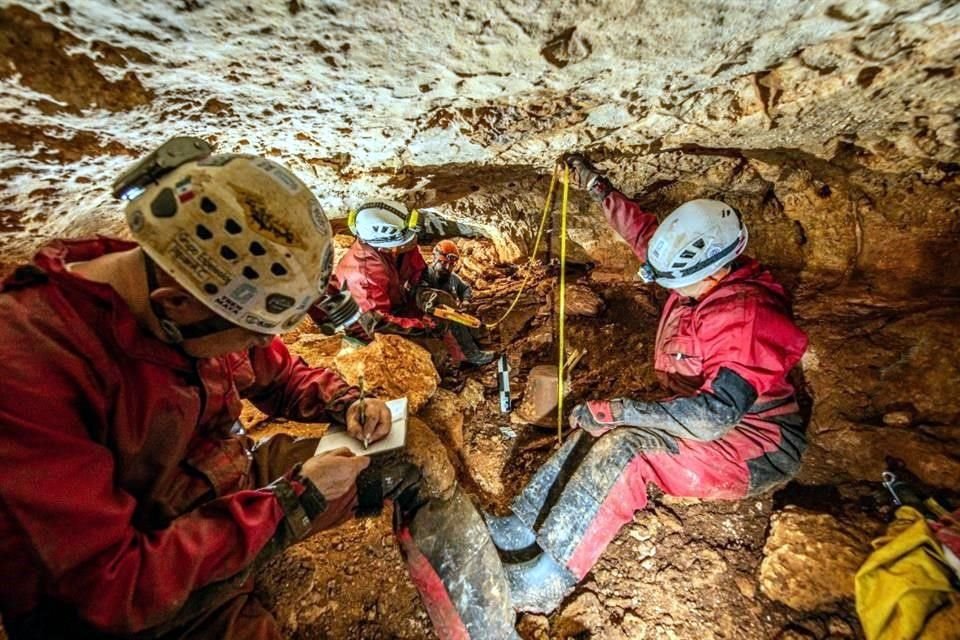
{"x": 175, "y": 333}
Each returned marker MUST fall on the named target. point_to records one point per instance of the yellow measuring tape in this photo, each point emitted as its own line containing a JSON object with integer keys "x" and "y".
{"x": 547, "y": 206}
{"x": 562, "y": 356}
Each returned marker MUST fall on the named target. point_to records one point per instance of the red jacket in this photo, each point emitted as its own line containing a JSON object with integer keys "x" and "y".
{"x": 743, "y": 324}
{"x": 383, "y": 283}
{"x": 122, "y": 490}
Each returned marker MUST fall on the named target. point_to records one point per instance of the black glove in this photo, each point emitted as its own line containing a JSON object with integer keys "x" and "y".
{"x": 428, "y": 299}
{"x": 586, "y": 176}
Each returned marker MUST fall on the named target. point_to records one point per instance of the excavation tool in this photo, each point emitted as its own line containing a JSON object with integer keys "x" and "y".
{"x": 440, "y": 304}
{"x": 449, "y": 313}
{"x": 503, "y": 383}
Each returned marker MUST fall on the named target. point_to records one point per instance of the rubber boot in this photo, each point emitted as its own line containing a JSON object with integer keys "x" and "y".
{"x": 539, "y": 585}
{"x": 472, "y": 353}
{"x": 509, "y": 533}
{"x": 453, "y": 564}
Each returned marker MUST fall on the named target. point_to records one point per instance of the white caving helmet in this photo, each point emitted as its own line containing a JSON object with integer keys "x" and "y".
{"x": 695, "y": 241}
{"x": 384, "y": 224}
{"x": 241, "y": 234}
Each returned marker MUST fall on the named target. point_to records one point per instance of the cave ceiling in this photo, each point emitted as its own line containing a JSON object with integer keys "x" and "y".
{"x": 465, "y": 106}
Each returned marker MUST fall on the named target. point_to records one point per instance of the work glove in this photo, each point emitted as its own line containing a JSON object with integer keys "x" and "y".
{"x": 597, "y": 416}
{"x": 586, "y": 176}
{"x": 600, "y": 416}
{"x": 428, "y": 299}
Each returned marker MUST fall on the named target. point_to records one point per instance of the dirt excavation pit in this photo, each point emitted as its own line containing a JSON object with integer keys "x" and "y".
{"x": 779, "y": 565}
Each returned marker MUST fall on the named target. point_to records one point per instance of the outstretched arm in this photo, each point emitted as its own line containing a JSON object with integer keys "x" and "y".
{"x": 285, "y": 385}
{"x": 632, "y": 223}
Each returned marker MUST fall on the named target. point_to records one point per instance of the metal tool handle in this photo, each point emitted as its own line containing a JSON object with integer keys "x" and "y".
{"x": 889, "y": 480}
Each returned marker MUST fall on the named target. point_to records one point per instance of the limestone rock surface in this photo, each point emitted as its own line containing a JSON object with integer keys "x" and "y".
{"x": 391, "y": 367}
{"x": 810, "y": 559}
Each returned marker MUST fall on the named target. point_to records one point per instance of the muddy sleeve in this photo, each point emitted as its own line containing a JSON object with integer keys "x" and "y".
{"x": 708, "y": 415}
{"x": 632, "y": 223}
{"x": 59, "y": 493}
{"x": 287, "y": 386}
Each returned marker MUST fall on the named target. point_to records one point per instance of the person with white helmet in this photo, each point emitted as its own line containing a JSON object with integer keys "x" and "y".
{"x": 730, "y": 428}
{"x": 384, "y": 270}
{"x": 131, "y": 502}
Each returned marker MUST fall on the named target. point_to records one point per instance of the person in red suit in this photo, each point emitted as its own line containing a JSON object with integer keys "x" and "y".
{"x": 731, "y": 427}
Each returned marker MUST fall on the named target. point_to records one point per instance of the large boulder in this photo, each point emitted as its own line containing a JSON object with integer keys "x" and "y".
{"x": 391, "y": 367}
{"x": 810, "y": 558}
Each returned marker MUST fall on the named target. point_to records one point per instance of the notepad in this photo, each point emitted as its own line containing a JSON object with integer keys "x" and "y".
{"x": 337, "y": 437}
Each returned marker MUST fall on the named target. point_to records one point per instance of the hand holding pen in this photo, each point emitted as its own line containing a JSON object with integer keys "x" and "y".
{"x": 368, "y": 419}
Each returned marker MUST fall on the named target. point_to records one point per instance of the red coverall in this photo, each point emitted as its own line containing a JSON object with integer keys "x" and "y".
{"x": 384, "y": 284}
{"x": 735, "y": 429}
{"x": 125, "y": 501}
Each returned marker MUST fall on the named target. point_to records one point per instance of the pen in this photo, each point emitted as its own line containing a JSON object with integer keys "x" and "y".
{"x": 363, "y": 417}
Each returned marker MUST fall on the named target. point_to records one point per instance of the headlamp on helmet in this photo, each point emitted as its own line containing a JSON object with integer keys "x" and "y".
{"x": 242, "y": 234}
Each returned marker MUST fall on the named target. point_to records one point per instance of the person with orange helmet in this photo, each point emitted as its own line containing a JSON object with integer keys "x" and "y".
{"x": 440, "y": 274}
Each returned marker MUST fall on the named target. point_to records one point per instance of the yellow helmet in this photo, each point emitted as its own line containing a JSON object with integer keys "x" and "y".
{"x": 240, "y": 233}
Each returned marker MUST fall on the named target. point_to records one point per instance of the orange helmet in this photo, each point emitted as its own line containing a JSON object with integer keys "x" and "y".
{"x": 446, "y": 252}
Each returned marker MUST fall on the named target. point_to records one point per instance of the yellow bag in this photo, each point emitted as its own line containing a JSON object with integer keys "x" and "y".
{"x": 903, "y": 589}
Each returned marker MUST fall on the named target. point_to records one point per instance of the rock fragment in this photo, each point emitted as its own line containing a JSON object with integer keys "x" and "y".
{"x": 392, "y": 367}
{"x": 810, "y": 559}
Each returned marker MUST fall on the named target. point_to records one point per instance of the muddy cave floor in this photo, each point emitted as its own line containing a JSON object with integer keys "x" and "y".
{"x": 683, "y": 568}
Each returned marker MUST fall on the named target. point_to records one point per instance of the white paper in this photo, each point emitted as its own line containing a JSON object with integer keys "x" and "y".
{"x": 396, "y": 439}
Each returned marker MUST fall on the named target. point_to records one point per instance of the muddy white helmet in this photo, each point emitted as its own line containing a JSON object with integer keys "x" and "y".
{"x": 240, "y": 233}
{"x": 384, "y": 224}
{"x": 695, "y": 241}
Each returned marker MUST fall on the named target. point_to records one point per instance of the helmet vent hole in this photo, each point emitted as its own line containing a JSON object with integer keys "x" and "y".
{"x": 232, "y": 226}
{"x": 700, "y": 244}
{"x": 687, "y": 254}
{"x": 203, "y": 233}
{"x": 257, "y": 249}
{"x": 211, "y": 288}
{"x": 250, "y": 273}
{"x": 228, "y": 253}
{"x": 278, "y": 269}
{"x": 207, "y": 205}
{"x": 164, "y": 205}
